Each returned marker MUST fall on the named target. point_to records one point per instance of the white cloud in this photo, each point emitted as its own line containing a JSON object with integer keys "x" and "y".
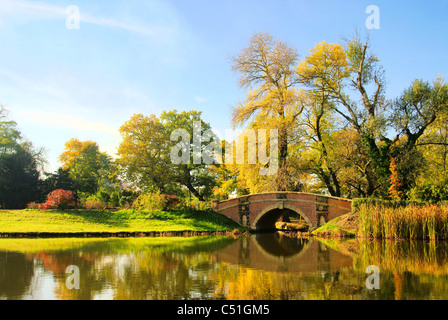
{"x": 160, "y": 31}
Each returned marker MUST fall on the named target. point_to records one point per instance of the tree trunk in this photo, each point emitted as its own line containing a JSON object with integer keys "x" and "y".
{"x": 282, "y": 178}
{"x": 190, "y": 187}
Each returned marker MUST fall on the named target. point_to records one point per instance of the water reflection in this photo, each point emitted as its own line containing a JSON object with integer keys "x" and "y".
{"x": 262, "y": 266}
{"x": 274, "y": 252}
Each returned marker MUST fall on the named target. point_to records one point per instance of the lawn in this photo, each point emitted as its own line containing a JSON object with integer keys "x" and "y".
{"x": 92, "y": 221}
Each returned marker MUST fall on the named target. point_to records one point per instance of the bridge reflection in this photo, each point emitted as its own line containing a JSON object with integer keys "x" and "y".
{"x": 274, "y": 252}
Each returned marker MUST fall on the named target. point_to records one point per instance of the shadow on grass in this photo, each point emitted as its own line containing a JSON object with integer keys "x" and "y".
{"x": 107, "y": 218}
{"x": 195, "y": 220}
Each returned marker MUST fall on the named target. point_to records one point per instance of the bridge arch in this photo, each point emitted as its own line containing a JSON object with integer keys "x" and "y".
{"x": 266, "y": 219}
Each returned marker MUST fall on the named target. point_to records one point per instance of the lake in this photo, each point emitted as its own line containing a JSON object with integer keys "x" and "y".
{"x": 255, "y": 267}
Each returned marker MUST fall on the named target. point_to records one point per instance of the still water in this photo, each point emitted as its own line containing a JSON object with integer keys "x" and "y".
{"x": 262, "y": 266}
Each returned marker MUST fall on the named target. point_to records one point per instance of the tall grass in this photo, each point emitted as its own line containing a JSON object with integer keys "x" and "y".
{"x": 428, "y": 222}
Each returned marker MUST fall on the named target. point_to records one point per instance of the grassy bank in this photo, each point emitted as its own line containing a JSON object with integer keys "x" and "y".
{"x": 126, "y": 221}
{"x": 345, "y": 226}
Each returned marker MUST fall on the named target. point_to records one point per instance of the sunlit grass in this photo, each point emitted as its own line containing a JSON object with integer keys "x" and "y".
{"x": 74, "y": 221}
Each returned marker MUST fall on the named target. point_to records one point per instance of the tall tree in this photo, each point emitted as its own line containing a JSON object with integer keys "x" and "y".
{"x": 266, "y": 67}
{"x": 19, "y": 174}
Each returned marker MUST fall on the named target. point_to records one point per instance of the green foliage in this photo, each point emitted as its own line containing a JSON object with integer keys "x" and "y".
{"x": 144, "y": 154}
{"x": 429, "y": 192}
{"x": 153, "y": 201}
{"x": 19, "y": 174}
{"x": 150, "y": 201}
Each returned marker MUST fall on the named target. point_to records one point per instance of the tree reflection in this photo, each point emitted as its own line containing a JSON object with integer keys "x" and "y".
{"x": 16, "y": 272}
{"x": 251, "y": 267}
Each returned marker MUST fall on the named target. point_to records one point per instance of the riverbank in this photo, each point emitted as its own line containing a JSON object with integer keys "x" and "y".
{"x": 123, "y": 223}
{"x": 346, "y": 226}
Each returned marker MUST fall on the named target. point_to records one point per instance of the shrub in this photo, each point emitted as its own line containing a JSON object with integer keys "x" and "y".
{"x": 195, "y": 204}
{"x": 156, "y": 201}
{"x": 95, "y": 205}
{"x": 59, "y": 199}
{"x": 170, "y": 201}
{"x": 33, "y": 205}
{"x": 127, "y": 198}
{"x": 432, "y": 193}
{"x": 149, "y": 201}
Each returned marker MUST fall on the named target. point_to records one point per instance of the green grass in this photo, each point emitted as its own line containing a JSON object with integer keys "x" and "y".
{"x": 91, "y": 221}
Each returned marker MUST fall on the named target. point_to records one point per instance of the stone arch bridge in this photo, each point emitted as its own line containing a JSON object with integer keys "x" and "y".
{"x": 261, "y": 211}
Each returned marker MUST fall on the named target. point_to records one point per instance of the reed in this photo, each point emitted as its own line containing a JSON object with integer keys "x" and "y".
{"x": 429, "y": 222}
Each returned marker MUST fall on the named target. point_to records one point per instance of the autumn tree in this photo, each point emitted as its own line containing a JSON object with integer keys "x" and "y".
{"x": 266, "y": 68}
{"x": 85, "y": 164}
{"x": 315, "y": 134}
{"x": 395, "y": 184}
{"x": 228, "y": 180}
{"x": 334, "y": 69}
{"x": 143, "y": 152}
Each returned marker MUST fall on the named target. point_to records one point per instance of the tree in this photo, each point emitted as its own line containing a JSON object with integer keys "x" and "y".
{"x": 318, "y": 126}
{"x": 395, "y": 184}
{"x": 416, "y": 113}
{"x": 144, "y": 153}
{"x": 331, "y": 69}
{"x": 57, "y": 180}
{"x": 266, "y": 67}
{"x": 85, "y": 164}
{"x": 19, "y": 174}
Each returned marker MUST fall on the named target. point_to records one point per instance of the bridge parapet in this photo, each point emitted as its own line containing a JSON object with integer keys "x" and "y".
{"x": 260, "y": 211}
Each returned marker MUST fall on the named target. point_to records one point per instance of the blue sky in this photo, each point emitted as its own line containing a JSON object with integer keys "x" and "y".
{"x": 147, "y": 56}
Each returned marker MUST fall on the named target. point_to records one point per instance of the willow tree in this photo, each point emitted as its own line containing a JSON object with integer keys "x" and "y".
{"x": 266, "y": 69}
{"x": 353, "y": 79}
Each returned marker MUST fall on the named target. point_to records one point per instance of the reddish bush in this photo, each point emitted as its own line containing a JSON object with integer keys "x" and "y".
{"x": 59, "y": 199}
